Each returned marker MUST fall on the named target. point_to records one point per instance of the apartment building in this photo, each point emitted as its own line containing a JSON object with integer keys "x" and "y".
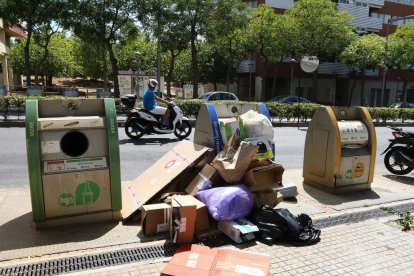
{"x": 334, "y": 83}
{"x": 7, "y": 79}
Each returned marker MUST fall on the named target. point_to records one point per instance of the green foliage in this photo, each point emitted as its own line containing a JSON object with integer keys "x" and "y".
{"x": 5, "y": 103}
{"x": 19, "y": 102}
{"x": 61, "y": 60}
{"x": 401, "y": 47}
{"x": 366, "y": 52}
{"x": 262, "y": 36}
{"x": 405, "y": 219}
{"x": 319, "y": 28}
{"x": 384, "y": 114}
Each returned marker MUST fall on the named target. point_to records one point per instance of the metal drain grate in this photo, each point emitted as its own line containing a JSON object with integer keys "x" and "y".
{"x": 95, "y": 261}
{"x": 66, "y": 265}
{"x": 359, "y": 216}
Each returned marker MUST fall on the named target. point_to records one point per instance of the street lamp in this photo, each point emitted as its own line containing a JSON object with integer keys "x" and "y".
{"x": 385, "y": 53}
{"x": 250, "y": 80}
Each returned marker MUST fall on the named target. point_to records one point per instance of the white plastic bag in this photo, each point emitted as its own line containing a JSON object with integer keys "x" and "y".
{"x": 256, "y": 125}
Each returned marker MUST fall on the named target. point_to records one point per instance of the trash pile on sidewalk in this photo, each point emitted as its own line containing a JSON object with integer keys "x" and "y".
{"x": 191, "y": 189}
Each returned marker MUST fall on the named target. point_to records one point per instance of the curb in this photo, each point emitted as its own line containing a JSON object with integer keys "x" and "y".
{"x": 21, "y": 123}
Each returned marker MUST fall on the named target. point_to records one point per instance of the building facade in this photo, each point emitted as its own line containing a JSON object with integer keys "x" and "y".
{"x": 334, "y": 82}
{"x": 7, "y": 79}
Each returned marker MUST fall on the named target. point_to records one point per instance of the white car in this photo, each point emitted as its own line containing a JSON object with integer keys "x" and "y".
{"x": 219, "y": 96}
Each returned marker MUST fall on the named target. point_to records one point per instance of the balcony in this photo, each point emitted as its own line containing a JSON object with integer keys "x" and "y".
{"x": 361, "y": 17}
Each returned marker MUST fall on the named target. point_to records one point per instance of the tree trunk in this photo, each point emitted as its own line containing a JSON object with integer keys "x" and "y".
{"x": 194, "y": 68}
{"x": 228, "y": 76}
{"x": 105, "y": 66}
{"x": 362, "y": 99}
{"x": 351, "y": 93}
{"x": 315, "y": 84}
{"x": 27, "y": 53}
{"x": 194, "y": 58}
{"x": 114, "y": 65}
{"x": 274, "y": 81}
{"x": 49, "y": 81}
{"x": 170, "y": 73}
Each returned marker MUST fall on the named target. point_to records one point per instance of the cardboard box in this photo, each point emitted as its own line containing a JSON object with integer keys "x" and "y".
{"x": 239, "y": 230}
{"x": 156, "y": 218}
{"x": 234, "y": 160}
{"x": 230, "y": 126}
{"x": 267, "y": 197}
{"x": 205, "y": 261}
{"x": 184, "y": 214}
{"x": 182, "y": 158}
{"x": 207, "y": 178}
{"x": 264, "y": 176}
{"x": 201, "y": 222}
{"x": 265, "y": 149}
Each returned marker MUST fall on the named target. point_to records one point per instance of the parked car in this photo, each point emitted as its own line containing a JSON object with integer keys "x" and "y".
{"x": 402, "y": 105}
{"x": 290, "y": 99}
{"x": 219, "y": 96}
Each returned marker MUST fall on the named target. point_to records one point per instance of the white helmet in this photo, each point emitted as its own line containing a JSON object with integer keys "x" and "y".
{"x": 152, "y": 83}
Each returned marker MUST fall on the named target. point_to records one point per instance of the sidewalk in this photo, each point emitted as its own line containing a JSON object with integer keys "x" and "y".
{"x": 357, "y": 238}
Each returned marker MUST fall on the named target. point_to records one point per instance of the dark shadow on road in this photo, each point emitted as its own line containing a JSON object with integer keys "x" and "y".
{"x": 150, "y": 141}
{"x": 19, "y": 233}
{"x": 404, "y": 179}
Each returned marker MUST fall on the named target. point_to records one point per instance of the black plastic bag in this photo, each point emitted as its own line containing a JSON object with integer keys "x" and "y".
{"x": 279, "y": 224}
{"x": 271, "y": 227}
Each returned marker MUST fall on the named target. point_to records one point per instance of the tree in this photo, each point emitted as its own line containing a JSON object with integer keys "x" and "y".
{"x": 364, "y": 53}
{"x": 400, "y": 53}
{"x": 59, "y": 62}
{"x": 320, "y": 29}
{"x": 33, "y": 15}
{"x": 101, "y": 21}
{"x": 262, "y": 36}
{"x": 182, "y": 22}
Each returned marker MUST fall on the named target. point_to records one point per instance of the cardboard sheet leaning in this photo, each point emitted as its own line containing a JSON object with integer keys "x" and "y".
{"x": 142, "y": 190}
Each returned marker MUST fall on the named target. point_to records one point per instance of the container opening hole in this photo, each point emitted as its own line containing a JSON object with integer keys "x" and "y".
{"x": 74, "y": 143}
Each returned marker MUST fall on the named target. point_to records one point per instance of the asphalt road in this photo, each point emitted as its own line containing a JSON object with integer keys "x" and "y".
{"x": 137, "y": 156}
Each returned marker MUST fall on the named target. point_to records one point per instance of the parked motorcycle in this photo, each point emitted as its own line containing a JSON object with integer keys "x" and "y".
{"x": 399, "y": 157}
{"x": 140, "y": 121}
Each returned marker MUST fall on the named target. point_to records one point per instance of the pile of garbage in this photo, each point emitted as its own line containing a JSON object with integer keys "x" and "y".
{"x": 191, "y": 188}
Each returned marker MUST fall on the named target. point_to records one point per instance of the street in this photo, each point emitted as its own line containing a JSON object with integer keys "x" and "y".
{"x": 137, "y": 156}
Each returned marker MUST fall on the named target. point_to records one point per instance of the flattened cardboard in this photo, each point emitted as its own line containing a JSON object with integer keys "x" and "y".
{"x": 263, "y": 177}
{"x": 207, "y": 178}
{"x": 183, "y": 219}
{"x": 141, "y": 190}
{"x": 156, "y": 218}
{"x": 205, "y": 261}
{"x": 239, "y": 230}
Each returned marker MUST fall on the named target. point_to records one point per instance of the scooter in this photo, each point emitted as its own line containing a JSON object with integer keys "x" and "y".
{"x": 140, "y": 121}
{"x": 399, "y": 157}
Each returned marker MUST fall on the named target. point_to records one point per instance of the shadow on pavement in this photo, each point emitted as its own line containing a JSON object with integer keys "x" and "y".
{"x": 19, "y": 233}
{"x": 404, "y": 179}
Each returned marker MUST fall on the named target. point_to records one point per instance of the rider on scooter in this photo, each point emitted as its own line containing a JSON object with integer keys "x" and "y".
{"x": 151, "y": 99}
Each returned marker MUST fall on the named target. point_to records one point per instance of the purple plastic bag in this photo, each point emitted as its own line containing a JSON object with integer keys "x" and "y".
{"x": 227, "y": 203}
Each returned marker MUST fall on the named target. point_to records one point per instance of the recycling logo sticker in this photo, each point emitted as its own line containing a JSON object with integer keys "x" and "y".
{"x": 86, "y": 193}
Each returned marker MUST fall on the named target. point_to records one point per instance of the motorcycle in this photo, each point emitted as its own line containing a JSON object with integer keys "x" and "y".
{"x": 140, "y": 121}
{"x": 399, "y": 157}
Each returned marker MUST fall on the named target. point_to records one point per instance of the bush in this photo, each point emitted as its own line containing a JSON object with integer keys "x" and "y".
{"x": 191, "y": 108}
